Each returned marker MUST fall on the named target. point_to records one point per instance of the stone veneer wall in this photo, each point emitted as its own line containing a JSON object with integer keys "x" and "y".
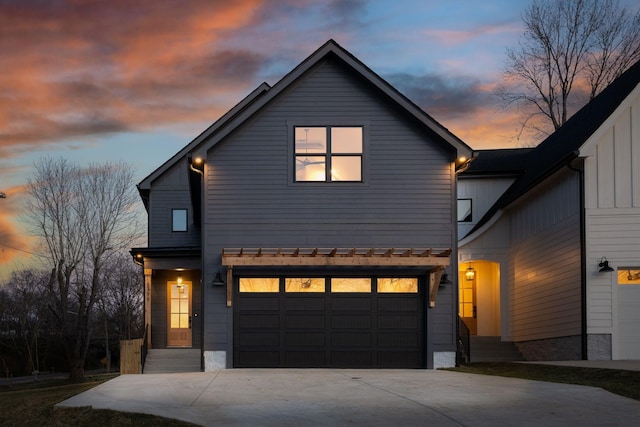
{"x": 564, "y": 348}
{"x": 599, "y": 347}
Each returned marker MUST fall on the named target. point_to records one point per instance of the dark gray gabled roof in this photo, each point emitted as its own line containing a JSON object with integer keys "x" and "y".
{"x": 334, "y": 50}
{"x": 497, "y": 162}
{"x": 263, "y": 94}
{"x": 563, "y": 145}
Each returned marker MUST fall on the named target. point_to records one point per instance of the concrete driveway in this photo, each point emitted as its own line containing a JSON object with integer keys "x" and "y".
{"x": 337, "y": 397}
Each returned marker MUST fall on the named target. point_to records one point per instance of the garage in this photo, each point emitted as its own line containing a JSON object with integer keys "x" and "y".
{"x": 329, "y": 321}
{"x": 332, "y": 307}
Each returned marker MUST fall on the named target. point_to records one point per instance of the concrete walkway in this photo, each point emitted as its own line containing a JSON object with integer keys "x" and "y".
{"x": 372, "y": 397}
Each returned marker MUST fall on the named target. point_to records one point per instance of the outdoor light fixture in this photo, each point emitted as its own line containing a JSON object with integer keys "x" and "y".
{"x": 604, "y": 265}
{"x": 179, "y": 280}
{"x": 217, "y": 281}
{"x": 470, "y": 274}
{"x": 444, "y": 279}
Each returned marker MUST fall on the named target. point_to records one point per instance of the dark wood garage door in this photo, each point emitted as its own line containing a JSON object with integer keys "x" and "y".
{"x": 329, "y": 327}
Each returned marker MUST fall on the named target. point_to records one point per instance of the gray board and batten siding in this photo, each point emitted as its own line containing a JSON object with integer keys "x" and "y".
{"x": 406, "y": 198}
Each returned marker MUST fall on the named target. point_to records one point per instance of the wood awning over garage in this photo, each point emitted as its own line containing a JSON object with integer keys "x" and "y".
{"x": 374, "y": 257}
{"x": 434, "y": 259}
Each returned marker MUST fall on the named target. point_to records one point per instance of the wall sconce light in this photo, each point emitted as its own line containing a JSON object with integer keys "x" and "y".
{"x": 217, "y": 281}
{"x": 470, "y": 274}
{"x": 444, "y": 279}
{"x": 179, "y": 280}
{"x": 604, "y": 265}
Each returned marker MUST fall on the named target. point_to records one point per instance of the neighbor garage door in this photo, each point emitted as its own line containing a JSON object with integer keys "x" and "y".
{"x": 363, "y": 322}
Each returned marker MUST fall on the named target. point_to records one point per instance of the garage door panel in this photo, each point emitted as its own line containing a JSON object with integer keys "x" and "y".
{"x": 261, "y": 339}
{"x": 305, "y": 304}
{"x": 305, "y": 321}
{"x": 263, "y": 303}
{"x": 351, "y": 321}
{"x": 305, "y": 358}
{"x": 259, "y": 321}
{"x": 301, "y": 339}
{"x": 397, "y": 322}
{"x": 340, "y": 303}
{"x": 398, "y": 304}
{"x": 354, "y": 340}
{"x": 397, "y": 339}
{"x": 628, "y": 320}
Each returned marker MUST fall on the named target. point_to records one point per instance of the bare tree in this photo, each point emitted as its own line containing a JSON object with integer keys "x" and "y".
{"x": 23, "y": 317}
{"x": 569, "y": 47}
{"x": 82, "y": 215}
{"x": 121, "y": 303}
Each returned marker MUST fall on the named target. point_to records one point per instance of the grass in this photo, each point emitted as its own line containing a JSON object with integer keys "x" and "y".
{"x": 32, "y": 405}
{"x": 623, "y": 383}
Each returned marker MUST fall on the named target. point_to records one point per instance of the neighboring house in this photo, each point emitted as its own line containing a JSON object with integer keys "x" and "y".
{"x": 310, "y": 226}
{"x": 537, "y": 226}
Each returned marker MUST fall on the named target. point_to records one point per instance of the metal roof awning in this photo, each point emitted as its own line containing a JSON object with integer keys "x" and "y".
{"x": 374, "y": 257}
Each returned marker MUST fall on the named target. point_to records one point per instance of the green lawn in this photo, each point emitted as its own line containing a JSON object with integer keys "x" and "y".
{"x": 624, "y": 383}
{"x": 32, "y": 405}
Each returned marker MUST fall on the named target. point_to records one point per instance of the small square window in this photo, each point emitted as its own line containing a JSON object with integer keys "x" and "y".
{"x": 179, "y": 220}
{"x": 464, "y": 210}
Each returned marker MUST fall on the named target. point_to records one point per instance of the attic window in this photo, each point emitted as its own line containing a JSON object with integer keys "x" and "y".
{"x": 328, "y": 154}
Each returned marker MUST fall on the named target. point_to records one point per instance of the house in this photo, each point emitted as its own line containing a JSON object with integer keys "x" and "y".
{"x": 549, "y": 256}
{"x": 312, "y": 225}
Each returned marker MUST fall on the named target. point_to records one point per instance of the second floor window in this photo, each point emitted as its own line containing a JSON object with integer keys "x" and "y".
{"x": 179, "y": 220}
{"x": 328, "y": 153}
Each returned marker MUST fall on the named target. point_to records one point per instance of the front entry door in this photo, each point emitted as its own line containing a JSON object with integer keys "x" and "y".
{"x": 179, "y": 314}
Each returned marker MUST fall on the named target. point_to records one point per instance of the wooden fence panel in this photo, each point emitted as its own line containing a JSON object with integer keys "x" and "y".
{"x": 130, "y": 361}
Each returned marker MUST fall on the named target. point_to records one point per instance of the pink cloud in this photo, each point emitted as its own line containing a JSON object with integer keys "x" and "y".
{"x": 85, "y": 68}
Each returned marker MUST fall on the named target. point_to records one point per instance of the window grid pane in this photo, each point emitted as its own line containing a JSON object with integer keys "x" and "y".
{"x": 341, "y": 149}
{"x": 360, "y": 284}
{"x": 304, "y": 284}
{"x": 398, "y": 285}
{"x": 251, "y": 284}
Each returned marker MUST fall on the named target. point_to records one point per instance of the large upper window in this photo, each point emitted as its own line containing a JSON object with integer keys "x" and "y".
{"x": 328, "y": 153}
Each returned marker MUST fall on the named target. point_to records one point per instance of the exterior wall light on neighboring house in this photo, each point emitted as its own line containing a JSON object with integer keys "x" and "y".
{"x": 470, "y": 274}
{"x": 604, "y": 265}
{"x": 217, "y": 281}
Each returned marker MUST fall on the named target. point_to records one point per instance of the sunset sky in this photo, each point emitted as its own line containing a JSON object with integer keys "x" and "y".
{"x": 96, "y": 81}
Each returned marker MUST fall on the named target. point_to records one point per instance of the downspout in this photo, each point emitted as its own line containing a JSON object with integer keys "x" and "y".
{"x": 199, "y": 169}
{"x": 583, "y": 260}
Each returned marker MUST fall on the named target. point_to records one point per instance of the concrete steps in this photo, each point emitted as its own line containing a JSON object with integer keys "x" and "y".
{"x": 170, "y": 360}
{"x": 492, "y": 349}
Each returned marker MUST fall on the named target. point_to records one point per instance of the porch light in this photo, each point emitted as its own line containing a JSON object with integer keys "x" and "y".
{"x": 470, "y": 274}
{"x": 179, "y": 280}
{"x": 604, "y": 265}
{"x": 217, "y": 281}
